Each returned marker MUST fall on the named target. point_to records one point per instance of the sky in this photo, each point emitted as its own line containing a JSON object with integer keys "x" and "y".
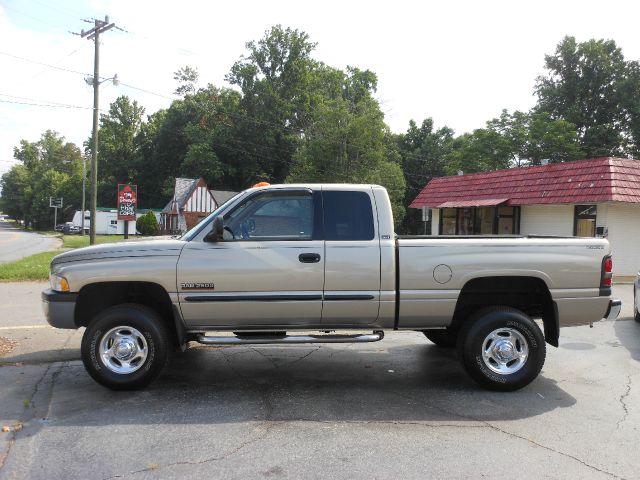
{"x": 458, "y": 62}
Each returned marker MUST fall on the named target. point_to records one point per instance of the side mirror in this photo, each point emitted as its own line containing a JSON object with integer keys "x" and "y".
{"x": 217, "y": 229}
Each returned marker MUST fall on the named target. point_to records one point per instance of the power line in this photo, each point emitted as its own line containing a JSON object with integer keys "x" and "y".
{"x": 45, "y": 105}
{"x": 42, "y": 101}
{"x": 58, "y": 62}
{"x": 146, "y": 91}
{"x": 43, "y": 64}
{"x": 68, "y": 70}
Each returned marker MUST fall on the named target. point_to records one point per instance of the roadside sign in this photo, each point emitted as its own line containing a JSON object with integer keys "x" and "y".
{"x": 55, "y": 202}
{"x": 127, "y": 201}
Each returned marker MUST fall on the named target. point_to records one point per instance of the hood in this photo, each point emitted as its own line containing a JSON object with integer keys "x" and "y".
{"x": 146, "y": 248}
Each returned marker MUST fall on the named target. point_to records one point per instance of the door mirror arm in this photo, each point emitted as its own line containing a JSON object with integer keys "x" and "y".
{"x": 217, "y": 230}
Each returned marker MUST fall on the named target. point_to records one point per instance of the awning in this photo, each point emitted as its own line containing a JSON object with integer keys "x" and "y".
{"x": 481, "y": 202}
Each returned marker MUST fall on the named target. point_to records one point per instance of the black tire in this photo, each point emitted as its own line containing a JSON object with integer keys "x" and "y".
{"x": 636, "y": 314}
{"x": 147, "y": 336}
{"x": 516, "y": 327}
{"x": 445, "y": 338}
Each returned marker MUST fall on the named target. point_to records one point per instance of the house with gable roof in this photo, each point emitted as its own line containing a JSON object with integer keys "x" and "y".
{"x": 191, "y": 202}
{"x": 585, "y": 198}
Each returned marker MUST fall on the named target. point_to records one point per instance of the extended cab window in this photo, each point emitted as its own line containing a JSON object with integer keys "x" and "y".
{"x": 271, "y": 216}
{"x": 347, "y": 216}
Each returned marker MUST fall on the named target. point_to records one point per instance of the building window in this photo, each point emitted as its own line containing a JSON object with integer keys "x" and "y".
{"x": 484, "y": 220}
{"x": 508, "y": 223}
{"x": 584, "y": 221}
{"x": 113, "y": 222}
{"x": 465, "y": 221}
{"x": 448, "y": 221}
{"x": 480, "y": 221}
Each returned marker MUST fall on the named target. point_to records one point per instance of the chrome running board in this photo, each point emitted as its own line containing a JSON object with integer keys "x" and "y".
{"x": 283, "y": 339}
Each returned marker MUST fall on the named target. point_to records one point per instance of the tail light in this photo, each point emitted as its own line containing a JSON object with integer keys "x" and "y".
{"x": 607, "y": 272}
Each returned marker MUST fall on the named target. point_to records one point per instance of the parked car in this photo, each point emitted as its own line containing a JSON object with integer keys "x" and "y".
{"x": 59, "y": 227}
{"x": 636, "y": 298}
{"x": 71, "y": 229}
{"x": 285, "y": 258}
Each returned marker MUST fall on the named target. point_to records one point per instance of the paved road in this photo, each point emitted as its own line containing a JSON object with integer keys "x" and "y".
{"x": 400, "y": 408}
{"x": 16, "y": 243}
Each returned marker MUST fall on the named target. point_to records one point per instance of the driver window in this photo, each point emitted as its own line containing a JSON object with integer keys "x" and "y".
{"x": 271, "y": 216}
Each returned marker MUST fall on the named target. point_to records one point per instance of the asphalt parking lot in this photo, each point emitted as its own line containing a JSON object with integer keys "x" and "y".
{"x": 400, "y": 408}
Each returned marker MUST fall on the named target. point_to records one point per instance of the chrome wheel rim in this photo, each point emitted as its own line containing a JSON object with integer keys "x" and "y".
{"x": 123, "y": 350}
{"x": 505, "y": 351}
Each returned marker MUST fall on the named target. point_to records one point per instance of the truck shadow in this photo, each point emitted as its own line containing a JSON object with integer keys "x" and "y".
{"x": 403, "y": 383}
{"x": 627, "y": 331}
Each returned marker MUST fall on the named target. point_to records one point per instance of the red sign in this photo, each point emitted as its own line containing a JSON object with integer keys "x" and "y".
{"x": 127, "y": 201}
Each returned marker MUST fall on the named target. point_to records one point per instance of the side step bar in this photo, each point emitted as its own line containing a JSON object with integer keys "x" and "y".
{"x": 273, "y": 340}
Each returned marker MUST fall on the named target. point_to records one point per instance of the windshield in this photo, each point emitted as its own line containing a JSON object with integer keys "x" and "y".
{"x": 198, "y": 228}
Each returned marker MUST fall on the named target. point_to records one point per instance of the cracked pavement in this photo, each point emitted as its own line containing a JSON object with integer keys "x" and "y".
{"x": 399, "y": 408}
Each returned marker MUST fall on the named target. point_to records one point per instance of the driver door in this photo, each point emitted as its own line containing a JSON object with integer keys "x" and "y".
{"x": 268, "y": 271}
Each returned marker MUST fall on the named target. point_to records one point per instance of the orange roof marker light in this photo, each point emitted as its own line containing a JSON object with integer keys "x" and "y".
{"x": 261, "y": 184}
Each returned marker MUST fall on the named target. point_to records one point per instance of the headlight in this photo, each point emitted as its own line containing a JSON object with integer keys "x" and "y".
{"x": 58, "y": 283}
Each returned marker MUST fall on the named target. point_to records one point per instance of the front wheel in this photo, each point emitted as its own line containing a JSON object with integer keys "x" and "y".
{"x": 125, "y": 347}
{"x": 501, "y": 348}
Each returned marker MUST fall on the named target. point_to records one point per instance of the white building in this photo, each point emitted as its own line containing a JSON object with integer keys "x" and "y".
{"x": 585, "y": 198}
{"x": 107, "y": 222}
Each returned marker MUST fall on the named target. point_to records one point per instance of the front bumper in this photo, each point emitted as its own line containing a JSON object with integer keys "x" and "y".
{"x": 613, "y": 311}
{"x": 59, "y": 308}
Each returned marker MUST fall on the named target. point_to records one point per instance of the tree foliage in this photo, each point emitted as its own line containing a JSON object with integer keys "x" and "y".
{"x": 50, "y": 167}
{"x": 118, "y": 147}
{"x": 514, "y": 140}
{"x": 585, "y": 85}
{"x": 345, "y": 141}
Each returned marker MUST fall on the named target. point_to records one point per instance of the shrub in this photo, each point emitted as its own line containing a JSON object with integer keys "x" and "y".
{"x": 147, "y": 224}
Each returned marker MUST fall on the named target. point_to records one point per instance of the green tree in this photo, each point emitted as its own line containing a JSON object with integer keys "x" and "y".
{"x": 630, "y": 92}
{"x": 514, "y": 140}
{"x": 584, "y": 85}
{"x": 15, "y": 185}
{"x": 119, "y": 151}
{"x": 199, "y": 135}
{"x": 276, "y": 78}
{"x": 187, "y": 78}
{"x": 51, "y": 167}
{"x": 347, "y": 142}
{"x": 423, "y": 151}
{"x": 482, "y": 150}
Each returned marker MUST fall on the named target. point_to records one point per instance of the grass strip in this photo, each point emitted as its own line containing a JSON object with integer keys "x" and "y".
{"x": 78, "y": 241}
{"x": 34, "y": 267}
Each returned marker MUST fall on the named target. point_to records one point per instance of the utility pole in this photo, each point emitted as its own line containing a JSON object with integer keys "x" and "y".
{"x": 94, "y": 34}
{"x": 84, "y": 181}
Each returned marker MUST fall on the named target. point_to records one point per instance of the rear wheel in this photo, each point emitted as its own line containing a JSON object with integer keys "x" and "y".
{"x": 445, "y": 338}
{"x": 125, "y": 347}
{"x": 501, "y": 348}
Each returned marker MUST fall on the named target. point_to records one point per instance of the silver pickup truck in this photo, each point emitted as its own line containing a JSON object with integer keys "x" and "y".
{"x": 278, "y": 261}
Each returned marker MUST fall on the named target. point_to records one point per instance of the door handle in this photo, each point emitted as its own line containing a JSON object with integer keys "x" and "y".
{"x": 309, "y": 257}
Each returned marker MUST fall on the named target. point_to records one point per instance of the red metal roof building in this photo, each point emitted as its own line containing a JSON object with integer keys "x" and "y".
{"x": 585, "y": 181}
{"x": 599, "y": 196}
